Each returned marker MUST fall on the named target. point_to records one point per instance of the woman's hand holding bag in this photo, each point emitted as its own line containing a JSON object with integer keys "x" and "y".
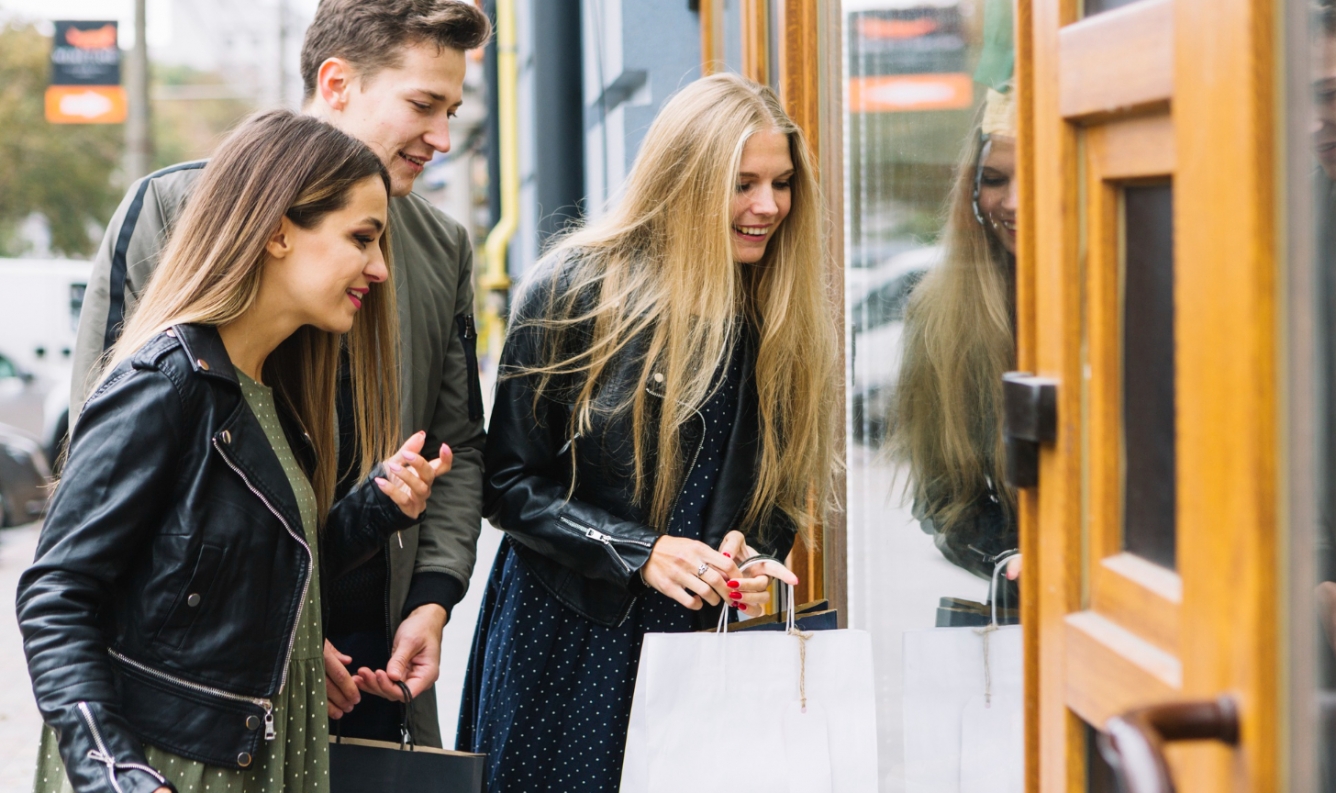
{"x": 689, "y": 571}
{"x": 751, "y": 589}
{"x": 409, "y": 475}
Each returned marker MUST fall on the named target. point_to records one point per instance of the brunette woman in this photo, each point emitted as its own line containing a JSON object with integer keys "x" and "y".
{"x": 171, "y": 619}
{"x": 959, "y": 340}
{"x": 664, "y": 413}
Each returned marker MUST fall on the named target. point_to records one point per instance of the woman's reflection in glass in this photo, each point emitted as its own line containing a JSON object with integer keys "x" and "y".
{"x": 959, "y": 339}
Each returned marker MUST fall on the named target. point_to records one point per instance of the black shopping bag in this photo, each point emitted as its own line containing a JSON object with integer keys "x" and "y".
{"x": 358, "y": 765}
{"x": 362, "y": 766}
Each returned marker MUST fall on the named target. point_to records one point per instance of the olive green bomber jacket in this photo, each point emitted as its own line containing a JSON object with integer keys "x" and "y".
{"x": 433, "y": 268}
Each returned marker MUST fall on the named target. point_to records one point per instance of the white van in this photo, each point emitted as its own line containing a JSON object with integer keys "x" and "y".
{"x": 37, "y": 330}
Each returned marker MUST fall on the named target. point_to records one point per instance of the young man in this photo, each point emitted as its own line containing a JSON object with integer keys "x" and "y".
{"x": 391, "y": 73}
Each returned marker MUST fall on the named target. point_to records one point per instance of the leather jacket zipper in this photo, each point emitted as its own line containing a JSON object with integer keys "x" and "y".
{"x": 101, "y": 755}
{"x": 269, "y": 732}
{"x": 606, "y": 539}
{"x": 310, "y": 561}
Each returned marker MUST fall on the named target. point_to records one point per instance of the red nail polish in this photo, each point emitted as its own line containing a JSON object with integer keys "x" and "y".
{"x": 735, "y": 595}
{"x": 742, "y": 606}
{"x": 733, "y": 584}
{"x": 729, "y": 555}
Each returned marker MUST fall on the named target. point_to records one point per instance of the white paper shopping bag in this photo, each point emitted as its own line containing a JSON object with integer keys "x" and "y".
{"x": 964, "y": 710}
{"x": 806, "y": 699}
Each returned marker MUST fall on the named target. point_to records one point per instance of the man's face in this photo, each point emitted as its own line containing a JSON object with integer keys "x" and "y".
{"x": 403, "y": 113}
{"x": 1324, "y": 102}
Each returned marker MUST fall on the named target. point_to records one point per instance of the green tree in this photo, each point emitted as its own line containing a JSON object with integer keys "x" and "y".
{"x": 62, "y": 171}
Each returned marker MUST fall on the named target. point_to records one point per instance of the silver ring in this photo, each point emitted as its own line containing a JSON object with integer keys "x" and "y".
{"x": 702, "y": 570}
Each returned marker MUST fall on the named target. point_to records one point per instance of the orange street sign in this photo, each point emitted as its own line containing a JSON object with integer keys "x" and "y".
{"x": 85, "y": 104}
{"x": 900, "y": 92}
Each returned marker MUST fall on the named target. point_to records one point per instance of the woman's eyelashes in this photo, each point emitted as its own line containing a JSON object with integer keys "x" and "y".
{"x": 995, "y": 179}
{"x": 364, "y": 240}
{"x": 745, "y": 186}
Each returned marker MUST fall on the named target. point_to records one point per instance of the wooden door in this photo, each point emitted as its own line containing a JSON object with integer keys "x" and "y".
{"x": 1146, "y": 289}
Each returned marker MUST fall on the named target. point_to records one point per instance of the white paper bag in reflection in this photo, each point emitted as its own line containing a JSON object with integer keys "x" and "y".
{"x": 754, "y": 680}
{"x": 964, "y": 710}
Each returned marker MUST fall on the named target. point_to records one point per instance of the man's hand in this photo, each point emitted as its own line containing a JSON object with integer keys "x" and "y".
{"x": 415, "y": 658}
{"x": 340, "y": 689}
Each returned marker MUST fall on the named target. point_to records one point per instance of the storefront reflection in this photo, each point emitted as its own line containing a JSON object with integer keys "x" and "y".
{"x": 928, "y": 278}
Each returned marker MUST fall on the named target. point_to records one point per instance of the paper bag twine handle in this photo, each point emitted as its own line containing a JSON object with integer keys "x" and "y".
{"x": 791, "y": 628}
{"x": 985, "y": 632}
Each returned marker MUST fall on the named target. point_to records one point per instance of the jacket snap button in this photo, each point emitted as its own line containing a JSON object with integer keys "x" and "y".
{"x": 227, "y": 436}
{"x": 203, "y": 364}
{"x": 252, "y": 722}
{"x": 192, "y": 600}
{"x": 658, "y": 377}
{"x": 244, "y": 759}
{"x": 171, "y": 332}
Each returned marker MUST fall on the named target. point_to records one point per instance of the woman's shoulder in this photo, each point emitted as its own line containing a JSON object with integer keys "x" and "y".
{"x": 162, "y": 368}
{"x": 547, "y": 282}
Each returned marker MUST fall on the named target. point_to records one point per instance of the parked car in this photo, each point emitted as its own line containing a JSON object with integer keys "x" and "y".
{"x": 877, "y": 320}
{"x": 24, "y": 477}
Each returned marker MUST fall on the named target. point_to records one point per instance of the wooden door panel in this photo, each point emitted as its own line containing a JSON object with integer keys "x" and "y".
{"x": 1159, "y": 90}
{"x": 1117, "y": 61}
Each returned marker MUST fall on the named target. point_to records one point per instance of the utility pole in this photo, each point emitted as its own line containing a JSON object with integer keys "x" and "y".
{"x": 282, "y": 71}
{"x": 138, "y": 135}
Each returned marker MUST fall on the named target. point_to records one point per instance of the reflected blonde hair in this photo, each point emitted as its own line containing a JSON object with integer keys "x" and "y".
{"x": 659, "y": 266}
{"x": 278, "y": 165}
{"x": 958, "y": 343}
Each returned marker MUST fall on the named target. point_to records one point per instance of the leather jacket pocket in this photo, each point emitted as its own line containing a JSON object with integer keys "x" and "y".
{"x": 191, "y": 598}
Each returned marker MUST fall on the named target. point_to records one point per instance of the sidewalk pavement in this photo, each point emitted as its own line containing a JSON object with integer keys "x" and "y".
{"x": 20, "y": 724}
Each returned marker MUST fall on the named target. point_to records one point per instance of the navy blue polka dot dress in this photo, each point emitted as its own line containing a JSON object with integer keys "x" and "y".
{"x": 548, "y": 692}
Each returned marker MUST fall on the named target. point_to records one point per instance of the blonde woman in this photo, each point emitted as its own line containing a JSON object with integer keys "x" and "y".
{"x": 959, "y": 339}
{"x": 171, "y": 619}
{"x": 664, "y": 413}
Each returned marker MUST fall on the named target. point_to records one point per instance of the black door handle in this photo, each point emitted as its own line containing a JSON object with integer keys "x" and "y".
{"x": 1029, "y": 418}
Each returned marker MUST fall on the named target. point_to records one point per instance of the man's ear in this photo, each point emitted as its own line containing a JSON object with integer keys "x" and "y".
{"x": 334, "y": 82}
{"x": 279, "y": 244}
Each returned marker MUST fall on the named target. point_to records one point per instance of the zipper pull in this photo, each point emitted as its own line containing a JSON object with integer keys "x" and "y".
{"x": 269, "y": 732}
{"x": 595, "y": 534}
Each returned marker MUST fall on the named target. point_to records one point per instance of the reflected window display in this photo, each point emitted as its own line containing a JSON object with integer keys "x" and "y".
{"x": 930, "y": 246}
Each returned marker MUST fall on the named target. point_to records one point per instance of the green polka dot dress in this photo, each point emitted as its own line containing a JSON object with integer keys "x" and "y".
{"x": 297, "y": 760}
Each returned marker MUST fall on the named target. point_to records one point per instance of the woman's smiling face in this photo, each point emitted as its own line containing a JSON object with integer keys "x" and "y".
{"x": 997, "y": 191}
{"x": 323, "y": 274}
{"x": 763, "y": 194}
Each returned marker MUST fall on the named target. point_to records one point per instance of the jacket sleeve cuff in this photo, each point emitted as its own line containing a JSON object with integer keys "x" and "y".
{"x": 442, "y": 589}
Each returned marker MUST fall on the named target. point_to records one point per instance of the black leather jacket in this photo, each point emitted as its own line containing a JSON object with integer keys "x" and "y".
{"x": 587, "y": 550}
{"x": 172, "y": 568}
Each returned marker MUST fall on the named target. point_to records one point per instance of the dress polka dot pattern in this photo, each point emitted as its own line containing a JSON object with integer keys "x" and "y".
{"x": 297, "y": 760}
{"x": 548, "y": 693}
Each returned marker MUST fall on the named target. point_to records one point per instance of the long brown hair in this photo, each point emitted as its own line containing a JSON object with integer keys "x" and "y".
{"x": 277, "y": 165}
{"x": 957, "y": 343}
{"x": 659, "y": 265}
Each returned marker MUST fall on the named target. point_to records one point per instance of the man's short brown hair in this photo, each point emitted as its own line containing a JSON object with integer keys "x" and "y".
{"x": 371, "y": 34}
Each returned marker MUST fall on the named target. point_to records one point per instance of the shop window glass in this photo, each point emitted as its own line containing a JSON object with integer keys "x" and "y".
{"x": 930, "y": 229}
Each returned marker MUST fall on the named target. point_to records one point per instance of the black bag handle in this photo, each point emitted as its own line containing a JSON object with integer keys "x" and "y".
{"x": 405, "y": 737}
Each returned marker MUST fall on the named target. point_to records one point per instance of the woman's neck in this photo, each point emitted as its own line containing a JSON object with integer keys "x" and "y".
{"x": 250, "y": 338}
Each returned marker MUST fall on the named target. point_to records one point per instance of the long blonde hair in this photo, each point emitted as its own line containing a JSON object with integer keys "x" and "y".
{"x": 659, "y": 266}
{"x": 958, "y": 342}
{"x": 277, "y": 165}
